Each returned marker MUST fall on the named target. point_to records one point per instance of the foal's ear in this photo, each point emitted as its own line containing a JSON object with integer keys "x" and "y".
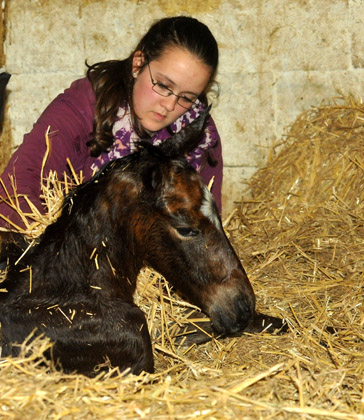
{"x": 188, "y": 138}
{"x": 151, "y": 173}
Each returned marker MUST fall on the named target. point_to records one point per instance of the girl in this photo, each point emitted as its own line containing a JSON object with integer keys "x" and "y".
{"x": 157, "y": 90}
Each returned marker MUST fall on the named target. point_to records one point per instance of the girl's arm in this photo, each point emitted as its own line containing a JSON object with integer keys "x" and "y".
{"x": 68, "y": 119}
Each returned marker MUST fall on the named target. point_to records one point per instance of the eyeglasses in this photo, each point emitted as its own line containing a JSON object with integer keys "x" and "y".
{"x": 187, "y": 100}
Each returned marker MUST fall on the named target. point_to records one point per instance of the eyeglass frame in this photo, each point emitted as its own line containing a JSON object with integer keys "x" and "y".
{"x": 170, "y": 92}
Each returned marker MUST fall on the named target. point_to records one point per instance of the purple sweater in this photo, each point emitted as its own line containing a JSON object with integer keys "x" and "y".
{"x": 69, "y": 118}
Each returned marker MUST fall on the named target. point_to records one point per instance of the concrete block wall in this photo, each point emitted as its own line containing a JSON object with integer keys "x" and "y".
{"x": 277, "y": 58}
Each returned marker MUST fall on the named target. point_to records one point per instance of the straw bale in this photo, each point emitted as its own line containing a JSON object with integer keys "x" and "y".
{"x": 300, "y": 236}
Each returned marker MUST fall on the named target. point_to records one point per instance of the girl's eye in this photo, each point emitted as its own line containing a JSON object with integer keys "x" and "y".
{"x": 163, "y": 87}
{"x": 187, "y": 99}
{"x": 188, "y": 232}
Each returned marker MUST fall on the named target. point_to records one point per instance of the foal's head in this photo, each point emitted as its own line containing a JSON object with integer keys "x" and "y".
{"x": 181, "y": 236}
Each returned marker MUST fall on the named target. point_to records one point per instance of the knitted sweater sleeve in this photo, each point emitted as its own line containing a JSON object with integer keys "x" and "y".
{"x": 69, "y": 120}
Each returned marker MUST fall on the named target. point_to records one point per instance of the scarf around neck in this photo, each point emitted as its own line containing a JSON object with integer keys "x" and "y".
{"x": 125, "y": 138}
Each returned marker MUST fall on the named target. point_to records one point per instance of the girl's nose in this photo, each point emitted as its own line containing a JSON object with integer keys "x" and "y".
{"x": 169, "y": 102}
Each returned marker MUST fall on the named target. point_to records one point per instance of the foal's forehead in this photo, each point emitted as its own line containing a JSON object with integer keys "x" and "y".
{"x": 183, "y": 190}
{"x": 188, "y": 194}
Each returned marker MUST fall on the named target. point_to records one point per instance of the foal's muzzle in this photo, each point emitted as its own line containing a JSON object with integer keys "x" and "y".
{"x": 231, "y": 304}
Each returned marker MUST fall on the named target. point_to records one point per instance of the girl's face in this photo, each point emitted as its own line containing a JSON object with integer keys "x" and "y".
{"x": 177, "y": 69}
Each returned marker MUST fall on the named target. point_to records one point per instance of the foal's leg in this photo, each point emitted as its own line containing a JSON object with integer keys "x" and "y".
{"x": 116, "y": 334}
{"x": 197, "y": 328}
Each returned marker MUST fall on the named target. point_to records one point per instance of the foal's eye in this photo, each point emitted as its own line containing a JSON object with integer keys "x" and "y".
{"x": 188, "y": 232}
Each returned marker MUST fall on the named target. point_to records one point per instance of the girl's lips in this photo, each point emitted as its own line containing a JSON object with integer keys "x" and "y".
{"x": 159, "y": 116}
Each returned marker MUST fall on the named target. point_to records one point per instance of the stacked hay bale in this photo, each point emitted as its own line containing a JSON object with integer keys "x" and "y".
{"x": 306, "y": 212}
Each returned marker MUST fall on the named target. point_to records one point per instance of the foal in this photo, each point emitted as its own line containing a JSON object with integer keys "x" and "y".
{"x": 76, "y": 285}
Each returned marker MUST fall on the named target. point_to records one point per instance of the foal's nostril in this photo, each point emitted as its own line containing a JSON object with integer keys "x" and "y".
{"x": 221, "y": 322}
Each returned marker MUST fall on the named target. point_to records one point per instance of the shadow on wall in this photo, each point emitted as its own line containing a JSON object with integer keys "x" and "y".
{"x": 4, "y": 78}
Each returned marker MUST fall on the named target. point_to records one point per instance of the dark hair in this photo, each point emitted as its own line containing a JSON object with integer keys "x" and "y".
{"x": 112, "y": 81}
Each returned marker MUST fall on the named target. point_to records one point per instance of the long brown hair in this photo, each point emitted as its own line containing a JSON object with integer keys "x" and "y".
{"x": 112, "y": 81}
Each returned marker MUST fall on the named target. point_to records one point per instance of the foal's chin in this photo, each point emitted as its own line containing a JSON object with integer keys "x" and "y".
{"x": 231, "y": 321}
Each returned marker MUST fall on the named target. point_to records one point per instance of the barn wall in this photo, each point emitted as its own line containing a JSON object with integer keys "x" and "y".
{"x": 5, "y": 143}
{"x": 277, "y": 59}
{"x": 2, "y": 37}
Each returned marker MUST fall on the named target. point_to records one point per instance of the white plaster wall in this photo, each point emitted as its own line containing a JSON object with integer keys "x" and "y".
{"x": 277, "y": 58}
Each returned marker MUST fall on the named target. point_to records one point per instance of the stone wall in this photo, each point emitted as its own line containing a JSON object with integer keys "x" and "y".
{"x": 2, "y": 37}
{"x": 278, "y": 58}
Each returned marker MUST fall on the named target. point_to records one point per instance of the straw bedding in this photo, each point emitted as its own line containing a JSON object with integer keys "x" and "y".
{"x": 300, "y": 235}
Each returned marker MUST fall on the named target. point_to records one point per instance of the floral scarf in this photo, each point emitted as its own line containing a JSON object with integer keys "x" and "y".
{"x": 125, "y": 139}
